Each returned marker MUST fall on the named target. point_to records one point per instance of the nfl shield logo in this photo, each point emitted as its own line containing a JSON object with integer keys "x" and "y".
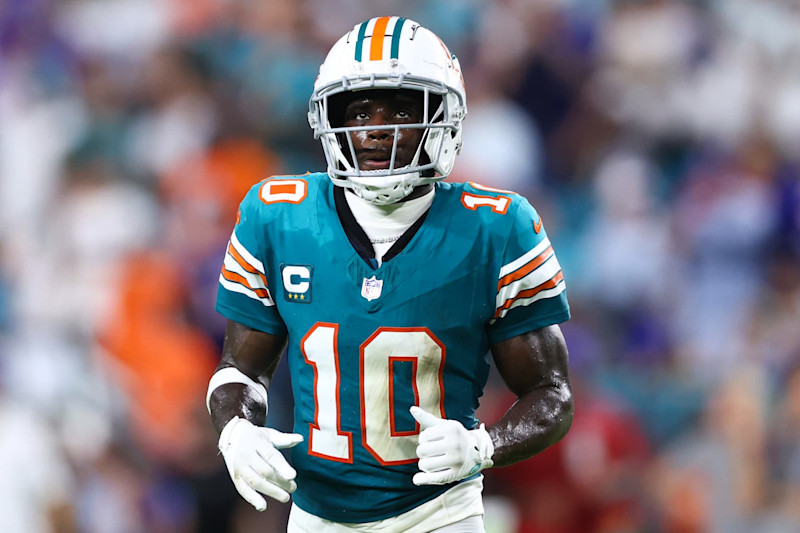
{"x": 371, "y": 288}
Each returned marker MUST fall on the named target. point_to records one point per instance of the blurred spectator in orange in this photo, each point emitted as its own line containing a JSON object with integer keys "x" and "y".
{"x": 202, "y": 192}
{"x": 158, "y": 359}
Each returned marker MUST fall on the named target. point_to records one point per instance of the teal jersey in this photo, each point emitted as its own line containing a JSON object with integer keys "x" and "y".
{"x": 366, "y": 343}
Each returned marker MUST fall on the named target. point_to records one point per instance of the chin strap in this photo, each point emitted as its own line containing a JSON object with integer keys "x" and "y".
{"x": 384, "y": 197}
{"x": 373, "y": 189}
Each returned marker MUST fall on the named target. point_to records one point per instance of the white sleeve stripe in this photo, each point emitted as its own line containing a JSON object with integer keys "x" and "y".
{"x": 255, "y": 263}
{"x": 547, "y": 293}
{"x": 233, "y": 375}
{"x": 254, "y": 280}
{"x": 544, "y": 272}
{"x": 241, "y": 289}
{"x": 524, "y": 259}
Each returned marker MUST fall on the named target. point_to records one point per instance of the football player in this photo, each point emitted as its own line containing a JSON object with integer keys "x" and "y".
{"x": 389, "y": 288}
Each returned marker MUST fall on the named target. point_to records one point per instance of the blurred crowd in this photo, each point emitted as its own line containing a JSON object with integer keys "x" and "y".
{"x": 659, "y": 140}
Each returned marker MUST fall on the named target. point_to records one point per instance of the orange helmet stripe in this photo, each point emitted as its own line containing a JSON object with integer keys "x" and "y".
{"x": 378, "y": 35}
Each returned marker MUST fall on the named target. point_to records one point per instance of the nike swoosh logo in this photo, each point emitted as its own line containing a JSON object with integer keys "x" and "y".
{"x": 537, "y": 226}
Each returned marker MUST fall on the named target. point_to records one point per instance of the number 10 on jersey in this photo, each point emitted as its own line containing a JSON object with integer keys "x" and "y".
{"x": 378, "y": 356}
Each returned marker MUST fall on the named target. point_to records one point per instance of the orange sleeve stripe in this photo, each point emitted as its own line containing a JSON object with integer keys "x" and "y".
{"x": 241, "y": 280}
{"x": 549, "y": 284}
{"x": 378, "y": 35}
{"x": 526, "y": 269}
{"x": 245, "y": 265}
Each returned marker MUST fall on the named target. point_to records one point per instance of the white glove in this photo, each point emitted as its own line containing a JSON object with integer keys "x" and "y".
{"x": 254, "y": 462}
{"x": 448, "y": 451}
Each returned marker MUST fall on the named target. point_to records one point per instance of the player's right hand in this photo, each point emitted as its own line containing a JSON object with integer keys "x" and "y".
{"x": 254, "y": 462}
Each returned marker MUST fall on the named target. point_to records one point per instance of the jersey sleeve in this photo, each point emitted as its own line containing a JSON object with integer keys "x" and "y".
{"x": 244, "y": 294}
{"x": 531, "y": 291}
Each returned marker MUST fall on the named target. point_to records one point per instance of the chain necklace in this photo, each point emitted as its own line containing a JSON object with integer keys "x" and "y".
{"x": 384, "y": 240}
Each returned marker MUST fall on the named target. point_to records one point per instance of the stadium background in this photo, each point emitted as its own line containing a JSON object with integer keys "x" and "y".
{"x": 659, "y": 139}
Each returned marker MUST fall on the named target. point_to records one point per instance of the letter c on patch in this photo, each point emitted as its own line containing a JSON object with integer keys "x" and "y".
{"x": 296, "y": 278}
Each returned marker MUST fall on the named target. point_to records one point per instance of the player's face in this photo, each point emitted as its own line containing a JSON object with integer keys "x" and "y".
{"x": 373, "y": 147}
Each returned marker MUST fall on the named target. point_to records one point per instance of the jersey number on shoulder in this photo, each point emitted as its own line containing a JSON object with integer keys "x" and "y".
{"x": 379, "y": 354}
{"x": 499, "y": 204}
{"x": 290, "y": 191}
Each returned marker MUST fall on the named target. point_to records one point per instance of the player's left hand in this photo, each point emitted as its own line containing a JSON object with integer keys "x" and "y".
{"x": 448, "y": 451}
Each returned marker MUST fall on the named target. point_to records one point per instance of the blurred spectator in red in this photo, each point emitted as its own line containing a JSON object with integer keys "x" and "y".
{"x": 589, "y": 482}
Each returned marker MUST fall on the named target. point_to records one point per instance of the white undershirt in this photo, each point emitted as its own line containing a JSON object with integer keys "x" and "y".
{"x": 384, "y": 224}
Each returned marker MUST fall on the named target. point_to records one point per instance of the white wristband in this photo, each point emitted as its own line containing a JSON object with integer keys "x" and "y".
{"x": 233, "y": 375}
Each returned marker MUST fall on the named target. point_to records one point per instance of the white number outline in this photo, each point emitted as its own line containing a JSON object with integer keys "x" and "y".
{"x": 315, "y": 428}
{"x": 401, "y": 440}
{"x": 403, "y": 443}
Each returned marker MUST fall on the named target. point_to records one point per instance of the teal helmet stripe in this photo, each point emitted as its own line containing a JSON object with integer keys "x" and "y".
{"x": 362, "y": 31}
{"x": 398, "y": 29}
{"x": 396, "y": 32}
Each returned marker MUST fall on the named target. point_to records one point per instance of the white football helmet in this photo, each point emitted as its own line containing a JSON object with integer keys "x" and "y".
{"x": 391, "y": 53}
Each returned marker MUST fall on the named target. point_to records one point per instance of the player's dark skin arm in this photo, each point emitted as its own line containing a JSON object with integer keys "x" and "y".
{"x": 534, "y": 367}
{"x": 256, "y": 354}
